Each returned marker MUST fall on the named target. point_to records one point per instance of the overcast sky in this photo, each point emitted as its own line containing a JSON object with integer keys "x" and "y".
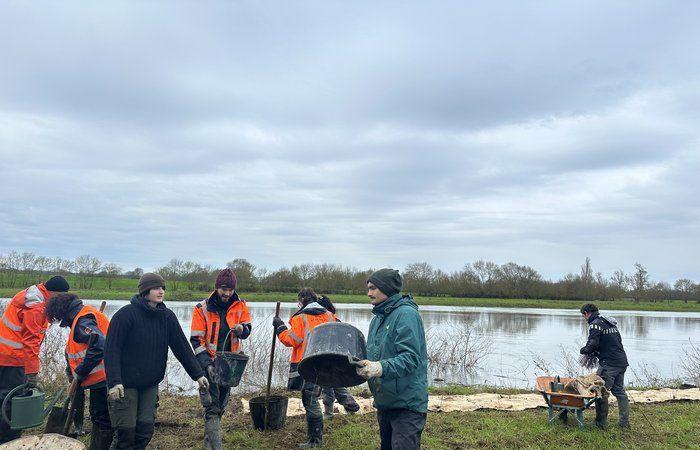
{"x": 361, "y": 133}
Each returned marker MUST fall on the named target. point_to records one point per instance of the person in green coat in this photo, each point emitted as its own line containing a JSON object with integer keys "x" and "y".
{"x": 396, "y": 368}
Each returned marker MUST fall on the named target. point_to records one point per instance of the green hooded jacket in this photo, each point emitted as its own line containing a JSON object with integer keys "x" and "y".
{"x": 397, "y": 339}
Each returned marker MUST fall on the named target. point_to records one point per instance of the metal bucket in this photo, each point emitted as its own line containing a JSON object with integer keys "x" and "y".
{"x": 329, "y": 354}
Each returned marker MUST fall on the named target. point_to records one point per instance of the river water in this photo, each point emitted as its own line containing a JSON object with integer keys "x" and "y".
{"x": 512, "y": 346}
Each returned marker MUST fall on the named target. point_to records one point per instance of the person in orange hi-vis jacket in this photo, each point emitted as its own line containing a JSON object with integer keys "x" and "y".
{"x": 218, "y": 324}
{"x": 85, "y": 357}
{"x": 22, "y": 330}
{"x": 310, "y": 314}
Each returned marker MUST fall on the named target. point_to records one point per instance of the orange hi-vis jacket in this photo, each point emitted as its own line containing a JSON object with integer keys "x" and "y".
{"x": 76, "y": 351}
{"x": 204, "y": 329}
{"x": 301, "y": 324}
{"x": 22, "y": 329}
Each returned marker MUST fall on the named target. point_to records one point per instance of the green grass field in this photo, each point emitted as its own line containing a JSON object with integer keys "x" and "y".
{"x": 183, "y": 295}
{"x": 179, "y": 425}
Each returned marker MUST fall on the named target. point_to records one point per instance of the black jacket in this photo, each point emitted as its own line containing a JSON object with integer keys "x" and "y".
{"x": 85, "y": 326}
{"x": 136, "y": 350}
{"x": 604, "y": 341}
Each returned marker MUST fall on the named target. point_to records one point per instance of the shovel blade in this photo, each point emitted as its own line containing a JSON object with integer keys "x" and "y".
{"x": 57, "y": 417}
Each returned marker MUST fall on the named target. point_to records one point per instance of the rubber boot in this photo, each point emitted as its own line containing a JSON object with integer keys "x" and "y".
{"x": 125, "y": 438}
{"x": 101, "y": 439}
{"x": 564, "y": 416}
{"x": 624, "y": 410}
{"x": 601, "y": 413}
{"x": 212, "y": 433}
{"x": 327, "y": 411}
{"x": 314, "y": 431}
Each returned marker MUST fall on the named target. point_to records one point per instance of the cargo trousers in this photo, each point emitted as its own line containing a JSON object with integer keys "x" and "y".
{"x": 133, "y": 417}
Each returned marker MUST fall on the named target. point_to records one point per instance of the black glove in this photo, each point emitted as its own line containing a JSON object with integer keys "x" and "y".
{"x": 30, "y": 380}
{"x": 277, "y": 322}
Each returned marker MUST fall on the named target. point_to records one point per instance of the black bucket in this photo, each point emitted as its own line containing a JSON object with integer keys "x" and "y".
{"x": 276, "y": 415}
{"x": 230, "y": 366}
{"x": 328, "y": 356}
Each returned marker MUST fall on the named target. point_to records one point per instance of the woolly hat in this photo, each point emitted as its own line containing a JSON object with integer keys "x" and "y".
{"x": 149, "y": 281}
{"x": 226, "y": 278}
{"x": 387, "y": 280}
{"x": 57, "y": 284}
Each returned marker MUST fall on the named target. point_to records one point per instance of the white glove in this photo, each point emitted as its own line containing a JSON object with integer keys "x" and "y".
{"x": 203, "y": 382}
{"x": 116, "y": 392}
{"x": 369, "y": 369}
{"x": 238, "y": 329}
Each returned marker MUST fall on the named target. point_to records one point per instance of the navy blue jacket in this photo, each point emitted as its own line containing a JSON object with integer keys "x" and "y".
{"x": 605, "y": 342}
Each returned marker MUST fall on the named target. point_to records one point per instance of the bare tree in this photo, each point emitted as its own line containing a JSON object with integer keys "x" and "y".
{"x": 640, "y": 282}
{"x": 111, "y": 271}
{"x": 87, "y": 266}
{"x": 684, "y": 287}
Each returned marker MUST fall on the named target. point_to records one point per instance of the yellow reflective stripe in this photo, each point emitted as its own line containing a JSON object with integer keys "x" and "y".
{"x": 11, "y": 325}
{"x": 11, "y": 343}
{"x": 306, "y": 324}
{"x": 211, "y": 346}
{"x": 197, "y": 333}
{"x": 296, "y": 338}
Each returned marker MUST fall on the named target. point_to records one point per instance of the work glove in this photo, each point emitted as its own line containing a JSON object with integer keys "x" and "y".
{"x": 213, "y": 374}
{"x": 203, "y": 383}
{"x": 238, "y": 330}
{"x": 369, "y": 369}
{"x": 277, "y": 322}
{"x": 30, "y": 380}
{"x": 116, "y": 392}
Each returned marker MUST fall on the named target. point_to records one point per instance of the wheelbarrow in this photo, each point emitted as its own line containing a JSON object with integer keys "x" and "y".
{"x": 560, "y": 402}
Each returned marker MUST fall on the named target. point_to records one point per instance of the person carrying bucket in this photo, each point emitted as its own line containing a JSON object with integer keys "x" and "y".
{"x": 396, "y": 368}
{"x": 219, "y": 322}
{"x": 22, "y": 330}
{"x": 136, "y": 356}
{"x": 310, "y": 315}
{"x": 330, "y": 395}
{"x": 86, "y": 358}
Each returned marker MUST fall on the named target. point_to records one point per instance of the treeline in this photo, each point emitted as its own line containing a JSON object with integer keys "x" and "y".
{"x": 478, "y": 279}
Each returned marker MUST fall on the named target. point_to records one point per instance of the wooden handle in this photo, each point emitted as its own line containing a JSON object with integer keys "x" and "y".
{"x": 269, "y": 372}
{"x": 103, "y": 306}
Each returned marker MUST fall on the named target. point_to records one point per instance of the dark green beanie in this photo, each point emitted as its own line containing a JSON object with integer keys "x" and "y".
{"x": 387, "y": 280}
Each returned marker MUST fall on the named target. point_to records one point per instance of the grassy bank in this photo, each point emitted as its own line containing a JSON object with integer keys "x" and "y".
{"x": 179, "y": 425}
{"x": 182, "y": 295}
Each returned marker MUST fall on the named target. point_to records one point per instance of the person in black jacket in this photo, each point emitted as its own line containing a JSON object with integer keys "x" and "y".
{"x": 65, "y": 308}
{"x": 605, "y": 342}
{"x": 136, "y": 354}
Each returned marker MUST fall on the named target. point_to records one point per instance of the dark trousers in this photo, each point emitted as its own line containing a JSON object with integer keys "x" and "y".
{"x": 614, "y": 378}
{"x": 99, "y": 409}
{"x": 219, "y": 399}
{"x": 10, "y": 378}
{"x": 310, "y": 394}
{"x": 400, "y": 429}
{"x": 133, "y": 417}
{"x": 330, "y": 395}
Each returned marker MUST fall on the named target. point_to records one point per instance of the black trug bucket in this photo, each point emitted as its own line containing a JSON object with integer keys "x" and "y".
{"x": 275, "y": 416}
{"x": 230, "y": 366}
{"x": 328, "y": 356}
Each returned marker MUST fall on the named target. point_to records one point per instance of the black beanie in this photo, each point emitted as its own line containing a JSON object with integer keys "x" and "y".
{"x": 57, "y": 284}
{"x": 149, "y": 281}
{"x": 387, "y": 280}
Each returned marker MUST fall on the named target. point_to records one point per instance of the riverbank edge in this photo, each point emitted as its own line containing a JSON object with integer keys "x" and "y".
{"x": 287, "y": 297}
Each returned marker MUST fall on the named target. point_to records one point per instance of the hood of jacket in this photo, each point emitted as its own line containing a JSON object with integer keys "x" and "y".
{"x": 313, "y": 308}
{"x": 73, "y": 309}
{"x": 387, "y": 306}
{"x": 216, "y": 304}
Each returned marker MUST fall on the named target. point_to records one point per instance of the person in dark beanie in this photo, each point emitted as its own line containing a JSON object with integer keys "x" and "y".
{"x": 136, "y": 353}
{"x": 310, "y": 315}
{"x": 22, "y": 330}
{"x": 396, "y": 368}
{"x": 85, "y": 359}
{"x": 330, "y": 395}
{"x": 219, "y": 322}
{"x": 605, "y": 342}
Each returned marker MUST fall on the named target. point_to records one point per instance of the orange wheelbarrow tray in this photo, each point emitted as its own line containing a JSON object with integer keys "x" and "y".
{"x": 559, "y": 402}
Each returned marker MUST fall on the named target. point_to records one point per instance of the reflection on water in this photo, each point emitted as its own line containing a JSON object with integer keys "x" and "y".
{"x": 516, "y": 336}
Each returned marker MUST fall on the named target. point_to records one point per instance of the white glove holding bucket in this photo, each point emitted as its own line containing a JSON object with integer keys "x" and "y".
{"x": 369, "y": 369}
{"x": 116, "y": 392}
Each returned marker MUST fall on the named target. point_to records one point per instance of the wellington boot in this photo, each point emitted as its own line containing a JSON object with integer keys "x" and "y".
{"x": 327, "y": 411}
{"x": 624, "y": 411}
{"x": 212, "y": 433}
{"x": 101, "y": 439}
{"x": 314, "y": 432}
{"x": 601, "y": 413}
